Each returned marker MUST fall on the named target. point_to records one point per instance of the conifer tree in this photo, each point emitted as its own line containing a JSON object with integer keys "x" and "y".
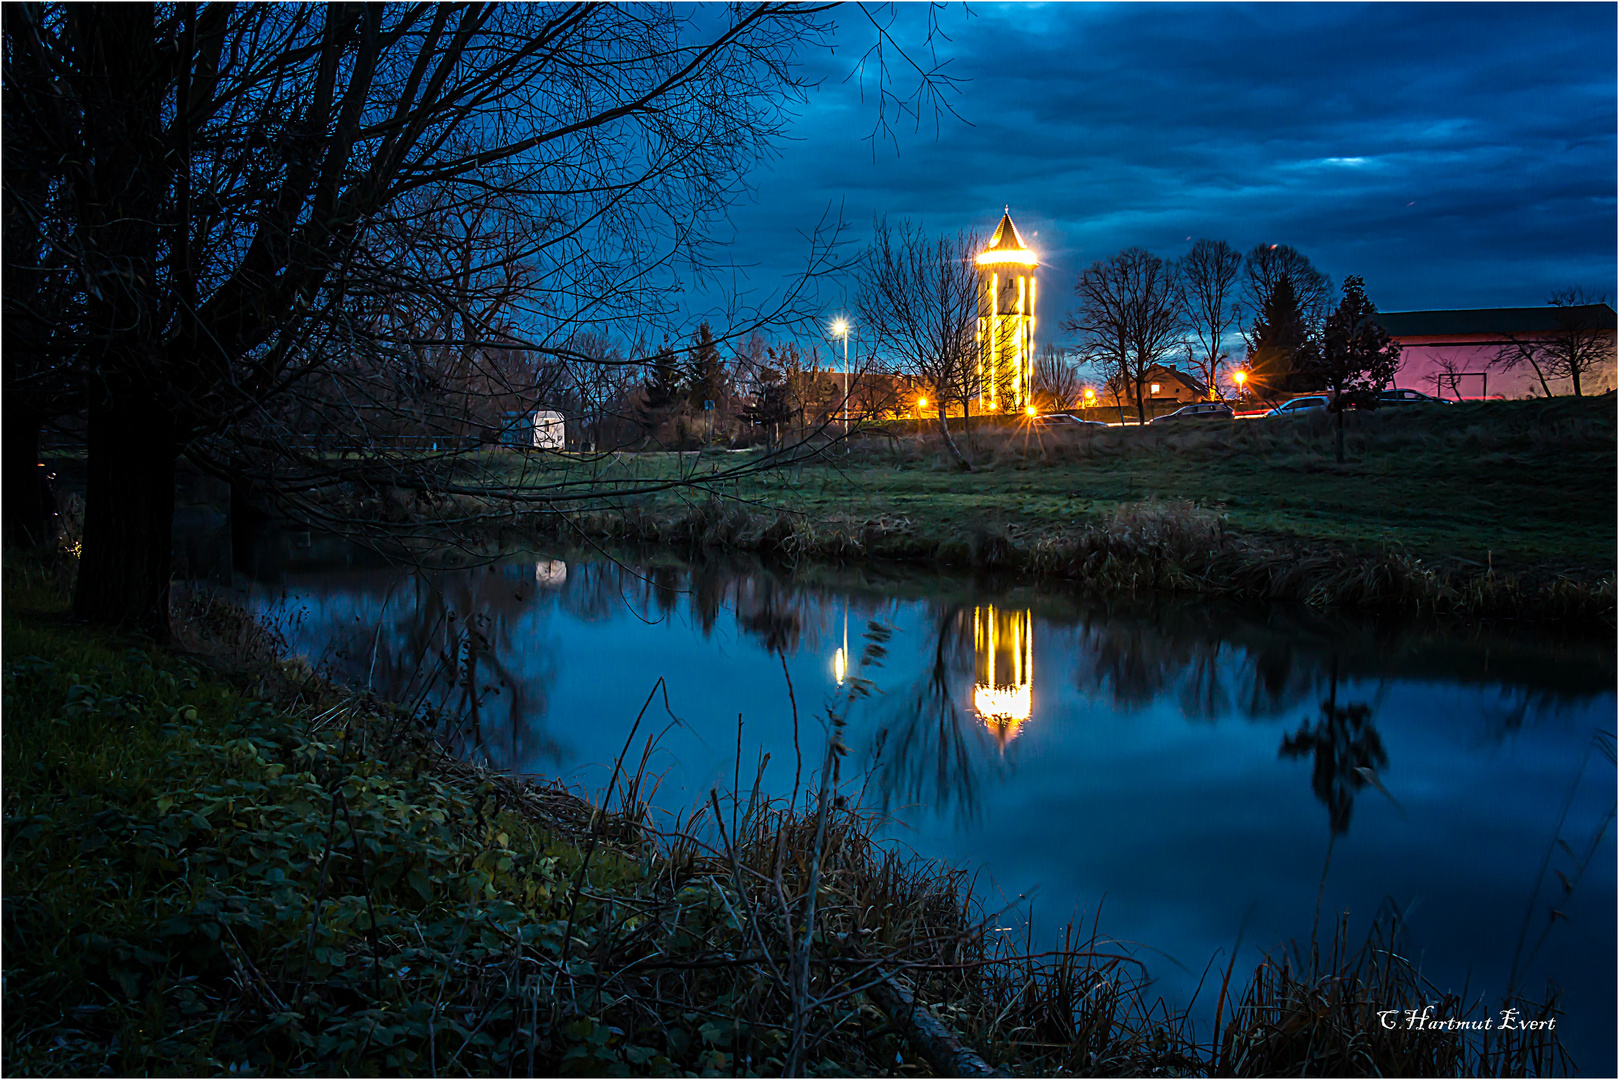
{"x": 662, "y": 388}
{"x": 705, "y": 369}
{"x": 1355, "y": 358}
{"x": 1277, "y": 335}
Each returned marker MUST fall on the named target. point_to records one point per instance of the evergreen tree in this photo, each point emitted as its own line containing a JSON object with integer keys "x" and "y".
{"x": 1355, "y": 358}
{"x": 705, "y": 369}
{"x": 1275, "y": 338}
{"x": 662, "y": 388}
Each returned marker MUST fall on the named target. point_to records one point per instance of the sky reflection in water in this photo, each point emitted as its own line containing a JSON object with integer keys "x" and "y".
{"x": 1187, "y": 768}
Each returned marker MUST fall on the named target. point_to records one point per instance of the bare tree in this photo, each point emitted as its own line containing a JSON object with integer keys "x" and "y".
{"x": 1269, "y": 264}
{"x": 1128, "y": 317}
{"x": 919, "y": 303}
{"x": 1209, "y": 309}
{"x": 600, "y": 381}
{"x": 227, "y": 206}
{"x": 1579, "y": 340}
{"x": 1056, "y": 379}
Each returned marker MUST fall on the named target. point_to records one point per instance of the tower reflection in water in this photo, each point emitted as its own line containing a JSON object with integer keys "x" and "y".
{"x": 1003, "y": 670}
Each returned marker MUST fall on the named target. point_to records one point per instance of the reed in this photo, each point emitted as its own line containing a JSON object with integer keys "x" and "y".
{"x": 249, "y": 870}
{"x": 1173, "y": 545}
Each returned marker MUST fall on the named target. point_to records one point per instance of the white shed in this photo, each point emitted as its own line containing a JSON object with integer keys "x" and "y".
{"x": 548, "y": 430}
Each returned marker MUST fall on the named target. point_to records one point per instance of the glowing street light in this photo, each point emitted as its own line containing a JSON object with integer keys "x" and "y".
{"x": 1028, "y": 410}
{"x": 1239, "y": 377}
{"x": 1090, "y": 397}
{"x": 921, "y": 403}
{"x": 840, "y": 328}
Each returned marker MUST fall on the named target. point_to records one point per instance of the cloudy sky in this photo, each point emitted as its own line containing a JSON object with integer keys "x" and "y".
{"x": 1453, "y": 155}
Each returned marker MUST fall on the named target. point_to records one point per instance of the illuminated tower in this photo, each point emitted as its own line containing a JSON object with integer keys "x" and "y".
{"x": 1006, "y": 283}
{"x": 1003, "y": 670}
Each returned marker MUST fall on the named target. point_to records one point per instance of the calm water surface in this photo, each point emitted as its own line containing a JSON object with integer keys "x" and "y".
{"x": 1186, "y": 769}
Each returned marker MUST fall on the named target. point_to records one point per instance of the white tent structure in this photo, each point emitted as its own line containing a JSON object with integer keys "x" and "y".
{"x": 549, "y": 430}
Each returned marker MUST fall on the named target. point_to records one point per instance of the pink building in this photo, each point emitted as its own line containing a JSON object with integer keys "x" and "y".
{"x": 1455, "y": 354}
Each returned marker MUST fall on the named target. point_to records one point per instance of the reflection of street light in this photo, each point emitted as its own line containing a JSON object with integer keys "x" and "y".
{"x": 840, "y": 659}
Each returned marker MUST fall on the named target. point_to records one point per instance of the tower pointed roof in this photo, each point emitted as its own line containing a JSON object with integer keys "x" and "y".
{"x": 1006, "y": 245}
{"x": 1006, "y": 237}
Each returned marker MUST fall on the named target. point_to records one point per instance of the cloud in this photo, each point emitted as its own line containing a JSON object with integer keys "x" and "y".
{"x": 1452, "y": 155}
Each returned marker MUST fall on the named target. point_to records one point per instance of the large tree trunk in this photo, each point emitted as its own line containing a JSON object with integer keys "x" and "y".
{"x": 129, "y": 516}
{"x": 29, "y": 507}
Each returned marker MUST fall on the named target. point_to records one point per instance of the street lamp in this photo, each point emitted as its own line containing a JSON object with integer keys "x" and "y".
{"x": 840, "y": 328}
{"x": 1240, "y": 376}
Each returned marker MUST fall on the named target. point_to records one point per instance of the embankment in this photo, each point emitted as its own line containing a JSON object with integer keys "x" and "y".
{"x": 216, "y": 862}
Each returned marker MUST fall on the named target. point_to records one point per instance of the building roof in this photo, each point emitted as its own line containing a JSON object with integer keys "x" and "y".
{"x": 1006, "y": 246}
{"x": 1006, "y": 237}
{"x": 1493, "y": 322}
{"x": 1163, "y": 372}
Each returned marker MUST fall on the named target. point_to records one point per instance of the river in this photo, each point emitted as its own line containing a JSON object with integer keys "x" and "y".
{"x": 1196, "y": 774}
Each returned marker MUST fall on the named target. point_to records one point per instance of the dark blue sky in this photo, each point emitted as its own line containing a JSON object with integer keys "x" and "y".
{"x": 1454, "y": 155}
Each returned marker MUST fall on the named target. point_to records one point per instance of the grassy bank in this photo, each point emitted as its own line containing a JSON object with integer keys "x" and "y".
{"x": 215, "y": 862}
{"x": 1492, "y": 509}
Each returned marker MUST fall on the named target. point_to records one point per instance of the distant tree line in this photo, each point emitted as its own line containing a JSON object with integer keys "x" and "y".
{"x": 1213, "y": 307}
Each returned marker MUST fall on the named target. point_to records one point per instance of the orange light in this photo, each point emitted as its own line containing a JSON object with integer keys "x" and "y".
{"x": 921, "y": 403}
{"x": 1090, "y": 395}
{"x": 1029, "y": 410}
{"x": 1241, "y": 377}
{"x": 997, "y": 258}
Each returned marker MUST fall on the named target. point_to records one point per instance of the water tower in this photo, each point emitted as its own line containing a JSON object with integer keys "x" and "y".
{"x": 1006, "y": 294}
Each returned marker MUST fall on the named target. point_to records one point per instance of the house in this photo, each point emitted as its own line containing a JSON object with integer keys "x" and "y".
{"x": 1163, "y": 385}
{"x": 1168, "y": 383}
{"x": 1457, "y": 353}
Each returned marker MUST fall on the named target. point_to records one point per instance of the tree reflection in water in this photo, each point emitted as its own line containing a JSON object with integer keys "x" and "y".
{"x": 928, "y": 749}
{"x": 1346, "y": 750}
{"x": 483, "y": 646}
{"x": 1200, "y": 655}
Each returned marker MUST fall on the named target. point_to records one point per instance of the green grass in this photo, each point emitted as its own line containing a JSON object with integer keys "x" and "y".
{"x": 1522, "y": 486}
{"x": 199, "y": 880}
{"x": 260, "y": 874}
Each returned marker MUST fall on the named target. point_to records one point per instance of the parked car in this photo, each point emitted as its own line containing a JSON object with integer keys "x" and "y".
{"x": 1301, "y": 405}
{"x": 1208, "y": 410}
{"x": 1063, "y": 422}
{"x": 1396, "y": 396}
